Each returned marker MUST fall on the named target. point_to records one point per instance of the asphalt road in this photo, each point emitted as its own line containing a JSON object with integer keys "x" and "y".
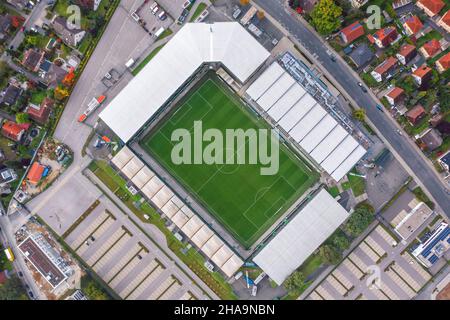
{"x": 347, "y": 79}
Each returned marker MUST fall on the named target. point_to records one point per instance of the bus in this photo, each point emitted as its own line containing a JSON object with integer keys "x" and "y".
{"x": 9, "y": 254}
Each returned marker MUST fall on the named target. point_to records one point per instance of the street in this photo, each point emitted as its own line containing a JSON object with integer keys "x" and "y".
{"x": 400, "y": 145}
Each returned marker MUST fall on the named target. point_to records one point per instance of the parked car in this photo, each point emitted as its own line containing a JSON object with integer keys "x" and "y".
{"x": 183, "y": 16}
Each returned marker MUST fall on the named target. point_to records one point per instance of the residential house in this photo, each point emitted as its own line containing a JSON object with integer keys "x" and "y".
{"x": 362, "y": 55}
{"x": 358, "y": 3}
{"x": 444, "y": 22}
{"x": 381, "y": 72}
{"x": 35, "y": 173}
{"x": 406, "y": 53}
{"x": 436, "y": 120}
{"x": 412, "y": 25}
{"x": 443, "y": 64}
{"x": 444, "y": 161}
{"x": 395, "y": 96}
{"x": 5, "y": 26}
{"x": 431, "y": 48}
{"x": 69, "y": 35}
{"x": 352, "y": 32}
{"x": 54, "y": 76}
{"x": 32, "y": 59}
{"x": 41, "y": 112}
{"x": 430, "y": 7}
{"x": 14, "y": 131}
{"x": 10, "y": 95}
{"x": 415, "y": 114}
{"x": 384, "y": 37}
{"x": 7, "y": 175}
{"x": 430, "y": 139}
{"x": 422, "y": 75}
{"x": 19, "y": 4}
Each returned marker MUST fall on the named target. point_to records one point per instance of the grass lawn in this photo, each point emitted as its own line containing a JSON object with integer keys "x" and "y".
{"x": 334, "y": 191}
{"x": 165, "y": 34}
{"x": 146, "y": 60}
{"x": 357, "y": 184}
{"x": 38, "y": 97}
{"x": 85, "y": 43}
{"x": 202, "y": 6}
{"x": 192, "y": 258}
{"x": 244, "y": 201}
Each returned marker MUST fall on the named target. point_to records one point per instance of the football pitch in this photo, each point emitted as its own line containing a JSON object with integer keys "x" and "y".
{"x": 245, "y": 202}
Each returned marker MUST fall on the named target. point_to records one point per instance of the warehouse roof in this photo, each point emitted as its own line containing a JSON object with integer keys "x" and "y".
{"x": 193, "y": 45}
{"x": 301, "y": 237}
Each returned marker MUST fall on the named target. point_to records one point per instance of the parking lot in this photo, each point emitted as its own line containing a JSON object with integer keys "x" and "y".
{"x": 131, "y": 264}
{"x": 378, "y": 269}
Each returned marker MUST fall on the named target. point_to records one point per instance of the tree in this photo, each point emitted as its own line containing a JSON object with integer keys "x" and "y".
{"x": 244, "y": 2}
{"x": 93, "y": 292}
{"x": 12, "y": 289}
{"x": 295, "y": 281}
{"x": 340, "y": 242}
{"x": 359, "y": 114}
{"x": 325, "y": 16}
{"x": 22, "y": 117}
{"x": 329, "y": 255}
{"x": 260, "y": 14}
{"x": 61, "y": 93}
{"x": 360, "y": 219}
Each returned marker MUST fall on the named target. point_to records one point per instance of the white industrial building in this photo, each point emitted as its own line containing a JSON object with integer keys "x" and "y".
{"x": 175, "y": 209}
{"x": 301, "y": 237}
{"x": 194, "y": 44}
{"x": 306, "y": 121}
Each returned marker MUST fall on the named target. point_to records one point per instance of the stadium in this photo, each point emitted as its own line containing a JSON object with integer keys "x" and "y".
{"x": 220, "y": 75}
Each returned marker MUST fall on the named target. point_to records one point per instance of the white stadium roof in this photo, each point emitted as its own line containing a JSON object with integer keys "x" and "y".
{"x": 194, "y": 44}
{"x": 174, "y": 208}
{"x": 306, "y": 121}
{"x": 301, "y": 237}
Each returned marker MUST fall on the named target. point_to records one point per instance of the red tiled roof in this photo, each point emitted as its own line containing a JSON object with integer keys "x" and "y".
{"x": 414, "y": 24}
{"x": 395, "y": 93}
{"x": 353, "y": 31}
{"x": 445, "y": 61}
{"x": 406, "y": 49}
{"x": 384, "y": 33}
{"x": 446, "y": 18}
{"x": 433, "y": 5}
{"x": 386, "y": 65}
{"x": 422, "y": 71}
{"x": 35, "y": 173}
{"x": 415, "y": 113}
{"x": 11, "y": 128}
{"x": 432, "y": 47}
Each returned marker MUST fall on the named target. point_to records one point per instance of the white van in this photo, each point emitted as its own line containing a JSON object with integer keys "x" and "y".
{"x": 159, "y": 32}
{"x": 162, "y": 15}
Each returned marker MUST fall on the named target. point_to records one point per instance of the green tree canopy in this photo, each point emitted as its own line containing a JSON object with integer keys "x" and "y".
{"x": 295, "y": 281}
{"x": 325, "y": 16}
{"x": 22, "y": 117}
{"x": 329, "y": 254}
{"x": 359, "y": 220}
{"x": 12, "y": 289}
{"x": 359, "y": 114}
{"x": 340, "y": 242}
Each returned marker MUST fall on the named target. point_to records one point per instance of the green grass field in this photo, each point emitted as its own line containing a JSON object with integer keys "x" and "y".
{"x": 244, "y": 201}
